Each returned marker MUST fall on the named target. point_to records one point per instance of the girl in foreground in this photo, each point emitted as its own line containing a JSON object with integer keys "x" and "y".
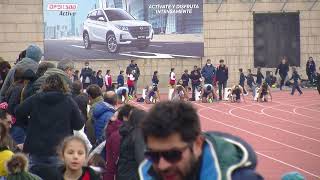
{"x": 74, "y": 154}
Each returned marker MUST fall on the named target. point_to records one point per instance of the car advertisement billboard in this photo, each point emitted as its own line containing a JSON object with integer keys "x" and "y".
{"x": 122, "y": 29}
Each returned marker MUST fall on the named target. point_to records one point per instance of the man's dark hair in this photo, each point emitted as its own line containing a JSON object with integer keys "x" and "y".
{"x": 132, "y": 61}
{"x": 94, "y": 91}
{"x": 136, "y": 116}
{"x": 76, "y": 87}
{"x": 124, "y": 111}
{"x": 208, "y": 60}
{"x": 43, "y": 67}
{"x": 240, "y": 70}
{"x": 221, "y": 61}
{"x": 110, "y": 97}
{"x": 155, "y": 88}
{"x": 167, "y": 118}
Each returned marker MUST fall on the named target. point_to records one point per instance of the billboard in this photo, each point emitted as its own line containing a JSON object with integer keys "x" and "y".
{"x": 122, "y": 29}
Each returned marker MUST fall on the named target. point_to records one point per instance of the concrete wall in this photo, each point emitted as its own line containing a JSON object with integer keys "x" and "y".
{"x": 228, "y": 31}
{"x": 228, "y": 35}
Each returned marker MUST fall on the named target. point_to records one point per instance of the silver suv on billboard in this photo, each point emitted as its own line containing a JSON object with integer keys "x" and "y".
{"x": 115, "y": 28}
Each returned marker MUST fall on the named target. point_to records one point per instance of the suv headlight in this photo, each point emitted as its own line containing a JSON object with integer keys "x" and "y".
{"x": 123, "y": 28}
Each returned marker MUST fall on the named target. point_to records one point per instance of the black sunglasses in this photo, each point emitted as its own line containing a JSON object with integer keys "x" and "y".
{"x": 172, "y": 156}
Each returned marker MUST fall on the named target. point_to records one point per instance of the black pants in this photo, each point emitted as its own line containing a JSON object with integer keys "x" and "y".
{"x": 294, "y": 87}
{"x": 222, "y": 85}
{"x": 283, "y": 78}
{"x": 131, "y": 89}
{"x": 194, "y": 91}
{"x": 318, "y": 87}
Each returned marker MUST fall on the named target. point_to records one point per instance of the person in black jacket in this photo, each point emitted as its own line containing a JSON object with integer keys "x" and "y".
{"x": 283, "y": 69}
{"x": 195, "y": 77}
{"x": 311, "y": 69}
{"x": 80, "y": 98}
{"x": 242, "y": 80}
{"x": 135, "y": 71}
{"x": 131, "y": 146}
{"x": 99, "y": 78}
{"x": 259, "y": 76}
{"x": 86, "y": 75}
{"x": 53, "y": 116}
{"x": 295, "y": 77}
{"x": 155, "y": 79}
{"x": 185, "y": 79}
{"x": 222, "y": 78}
{"x": 318, "y": 81}
{"x": 250, "y": 82}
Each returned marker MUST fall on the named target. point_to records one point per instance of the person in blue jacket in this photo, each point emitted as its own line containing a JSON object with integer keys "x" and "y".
{"x": 102, "y": 113}
{"x": 120, "y": 79}
{"x": 177, "y": 149}
{"x": 208, "y": 72}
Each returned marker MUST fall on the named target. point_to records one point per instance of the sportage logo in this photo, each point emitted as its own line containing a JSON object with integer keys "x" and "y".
{"x": 62, "y": 7}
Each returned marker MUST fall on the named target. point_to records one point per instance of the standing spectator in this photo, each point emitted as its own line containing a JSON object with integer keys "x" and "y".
{"x": 222, "y": 78}
{"x": 130, "y": 83}
{"x": 318, "y": 81}
{"x": 76, "y": 75}
{"x": 95, "y": 97}
{"x": 177, "y": 149}
{"x": 195, "y": 81}
{"x": 113, "y": 140}
{"x": 94, "y": 78}
{"x": 103, "y": 112}
{"x": 135, "y": 71}
{"x": 259, "y": 76}
{"x": 296, "y": 84}
{"x": 64, "y": 69}
{"x": 31, "y": 61}
{"x": 4, "y": 69}
{"x": 131, "y": 146}
{"x": 155, "y": 79}
{"x": 172, "y": 78}
{"x": 208, "y": 71}
{"x": 242, "y": 80}
{"x": 311, "y": 69}
{"x": 99, "y": 79}
{"x": 80, "y": 98}
{"x": 120, "y": 79}
{"x": 86, "y": 75}
{"x": 283, "y": 69}
{"x": 5, "y": 152}
{"x": 43, "y": 109}
{"x": 185, "y": 79}
{"x": 108, "y": 80}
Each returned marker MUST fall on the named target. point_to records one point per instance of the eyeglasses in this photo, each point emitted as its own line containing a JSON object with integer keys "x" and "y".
{"x": 172, "y": 156}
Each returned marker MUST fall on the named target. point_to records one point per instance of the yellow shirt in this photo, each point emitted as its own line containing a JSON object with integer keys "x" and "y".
{"x": 4, "y": 157}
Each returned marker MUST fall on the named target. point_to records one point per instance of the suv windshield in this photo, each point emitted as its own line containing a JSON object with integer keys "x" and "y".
{"x": 118, "y": 15}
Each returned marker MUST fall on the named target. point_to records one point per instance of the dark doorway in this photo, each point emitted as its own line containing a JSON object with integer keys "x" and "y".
{"x": 276, "y": 35}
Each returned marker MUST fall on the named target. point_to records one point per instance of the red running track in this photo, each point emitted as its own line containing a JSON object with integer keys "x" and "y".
{"x": 285, "y": 133}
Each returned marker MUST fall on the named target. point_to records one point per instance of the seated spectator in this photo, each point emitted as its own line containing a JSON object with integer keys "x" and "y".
{"x": 177, "y": 149}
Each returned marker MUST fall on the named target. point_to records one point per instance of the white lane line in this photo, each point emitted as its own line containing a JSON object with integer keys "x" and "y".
{"x": 287, "y": 164}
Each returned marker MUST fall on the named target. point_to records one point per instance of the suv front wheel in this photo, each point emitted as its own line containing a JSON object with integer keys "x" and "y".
{"x": 86, "y": 40}
{"x": 112, "y": 45}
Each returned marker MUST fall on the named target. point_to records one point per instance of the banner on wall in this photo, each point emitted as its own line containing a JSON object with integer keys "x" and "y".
{"x": 123, "y": 29}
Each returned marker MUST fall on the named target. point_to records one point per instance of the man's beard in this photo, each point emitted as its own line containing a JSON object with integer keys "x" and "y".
{"x": 191, "y": 172}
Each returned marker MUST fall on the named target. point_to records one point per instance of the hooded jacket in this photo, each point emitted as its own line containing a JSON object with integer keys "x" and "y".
{"x": 102, "y": 113}
{"x": 53, "y": 116}
{"x": 224, "y": 157}
{"x": 133, "y": 69}
{"x": 31, "y": 61}
{"x": 37, "y": 84}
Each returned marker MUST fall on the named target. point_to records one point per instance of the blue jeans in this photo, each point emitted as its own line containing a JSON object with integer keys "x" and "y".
{"x": 253, "y": 88}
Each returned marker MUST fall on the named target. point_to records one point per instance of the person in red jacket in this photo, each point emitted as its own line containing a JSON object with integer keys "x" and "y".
{"x": 108, "y": 81}
{"x": 113, "y": 140}
{"x": 172, "y": 78}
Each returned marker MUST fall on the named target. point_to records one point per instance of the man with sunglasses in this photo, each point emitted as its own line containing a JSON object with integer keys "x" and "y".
{"x": 178, "y": 150}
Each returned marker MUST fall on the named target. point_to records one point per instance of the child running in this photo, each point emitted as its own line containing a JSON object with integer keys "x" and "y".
{"x": 74, "y": 154}
{"x": 295, "y": 77}
{"x": 264, "y": 92}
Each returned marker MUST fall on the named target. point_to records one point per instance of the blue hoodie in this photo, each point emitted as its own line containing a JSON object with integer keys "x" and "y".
{"x": 102, "y": 113}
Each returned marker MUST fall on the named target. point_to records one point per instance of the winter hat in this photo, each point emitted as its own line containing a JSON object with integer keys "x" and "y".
{"x": 34, "y": 52}
{"x": 17, "y": 168}
{"x": 292, "y": 176}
